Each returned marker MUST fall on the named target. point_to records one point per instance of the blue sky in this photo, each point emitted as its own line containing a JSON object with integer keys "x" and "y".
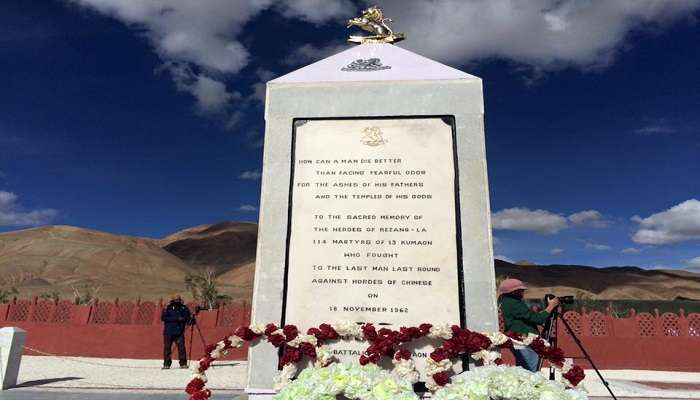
{"x": 146, "y": 117}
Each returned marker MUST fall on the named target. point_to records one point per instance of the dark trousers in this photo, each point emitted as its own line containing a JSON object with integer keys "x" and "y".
{"x": 168, "y": 349}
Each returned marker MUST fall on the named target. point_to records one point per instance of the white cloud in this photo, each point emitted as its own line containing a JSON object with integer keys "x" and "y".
{"x": 678, "y": 224}
{"x": 247, "y": 207}
{"x": 694, "y": 263}
{"x": 655, "y": 129}
{"x": 317, "y": 11}
{"x": 524, "y": 219}
{"x": 589, "y": 217}
{"x": 597, "y": 246}
{"x": 198, "y": 41}
{"x": 543, "y": 221}
{"x": 544, "y": 34}
{"x": 504, "y": 258}
{"x": 630, "y": 250}
{"x": 11, "y": 214}
{"x": 556, "y": 251}
{"x": 309, "y": 53}
{"x": 251, "y": 175}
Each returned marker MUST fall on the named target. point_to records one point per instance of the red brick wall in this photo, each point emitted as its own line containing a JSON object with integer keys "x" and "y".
{"x": 666, "y": 341}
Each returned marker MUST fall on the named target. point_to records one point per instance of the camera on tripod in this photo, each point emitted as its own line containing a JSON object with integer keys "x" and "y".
{"x": 564, "y": 300}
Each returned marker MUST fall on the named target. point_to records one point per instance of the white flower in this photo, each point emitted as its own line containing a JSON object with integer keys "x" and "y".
{"x": 323, "y": 357}
{"x": 297, "y": 341}
{"x": 258, "y": 329}
{"x": 488, "y": 357}
{"x": 441, "y": 331}
{"x": 348, "y": 329}
{"x": 406, "y": 369}
{"x": 432, "y": 367}
{"x": 282, "y": 379}
{"x": 501, "y": 382}
{"x": 235, "y": 341}
{"x": 199, "y": 375}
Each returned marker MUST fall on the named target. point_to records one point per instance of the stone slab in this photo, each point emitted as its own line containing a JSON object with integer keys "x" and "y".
{"x": 11, "y": 348}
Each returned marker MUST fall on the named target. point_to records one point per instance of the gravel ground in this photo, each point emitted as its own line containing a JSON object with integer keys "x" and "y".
{"x": 64, "y": 378}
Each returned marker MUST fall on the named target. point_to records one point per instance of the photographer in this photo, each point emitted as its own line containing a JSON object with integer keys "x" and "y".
{"x": 175, "y": 316}
{"x": 521, "y": 319}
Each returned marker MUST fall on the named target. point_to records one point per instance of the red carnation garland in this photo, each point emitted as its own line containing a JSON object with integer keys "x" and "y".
{"x": 383, "y": 343}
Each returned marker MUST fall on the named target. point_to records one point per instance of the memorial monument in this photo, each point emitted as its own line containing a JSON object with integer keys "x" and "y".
{"x": 375, "y": 202}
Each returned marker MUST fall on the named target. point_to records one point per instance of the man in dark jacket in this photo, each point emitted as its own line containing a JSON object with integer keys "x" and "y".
{"x": 174, "y": 316}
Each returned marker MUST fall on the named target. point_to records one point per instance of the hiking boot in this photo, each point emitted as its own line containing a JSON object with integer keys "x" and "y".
{"x": 166, "y": 367}
{"x": 184, "y": 366}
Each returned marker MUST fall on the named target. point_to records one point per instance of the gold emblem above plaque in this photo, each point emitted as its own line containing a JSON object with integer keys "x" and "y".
{"x": 373, "y": 136}
{"x": 373, "y": 21}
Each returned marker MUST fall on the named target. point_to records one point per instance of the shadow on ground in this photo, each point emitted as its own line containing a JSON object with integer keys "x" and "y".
{"x": 40, "y": 382}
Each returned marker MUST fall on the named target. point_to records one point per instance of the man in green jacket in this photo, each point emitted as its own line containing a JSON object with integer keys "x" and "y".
{"x": 520, "y": 318}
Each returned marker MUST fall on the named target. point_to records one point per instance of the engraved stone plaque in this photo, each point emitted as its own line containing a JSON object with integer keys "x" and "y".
{"x": 373, "y": 231}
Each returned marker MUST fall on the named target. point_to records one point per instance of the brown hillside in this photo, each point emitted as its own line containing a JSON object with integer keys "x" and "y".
{"x": 58, "y": 258}
{"x": 603, "y": 283}
{"x": 223, "y": 247}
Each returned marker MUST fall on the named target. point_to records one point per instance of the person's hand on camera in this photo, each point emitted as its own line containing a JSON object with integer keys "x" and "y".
{"x": 552, "y": 304}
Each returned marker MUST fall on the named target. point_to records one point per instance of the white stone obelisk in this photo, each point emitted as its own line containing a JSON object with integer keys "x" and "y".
{"x": 372, "y": 82}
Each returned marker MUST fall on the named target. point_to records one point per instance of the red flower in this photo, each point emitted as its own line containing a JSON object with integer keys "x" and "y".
{"x": 328, "y": 332}
{"x": 364, "y": 360}
{"x": 201, "y": 395}
{"x": 204, "y": 363}
{"x": 269, "y": 328}
{"x": 291, "y": 355}
{"x": 291, "y": 332}
{"x": 227, "y": 343}
{"x": 441, "y": 378}
{"x": 575, "y": 375}
{"x": 439, "y": 354}
{"x": 308, "y": 350}
{"x": 402, "y": 354}
{"x": 195, "y": 385}
{"x": 424, "y": 328}
{"x": 498, "y": 361}
{"x": 555, "y": 356}
{"x": 210, "y": 348}
{"x": 369, "y": 332}
{"x": 245, "y": 333}
{"x": 538, "y": 346}
{"x": 513, "y": 335}
{"x": 276, "y": 339}
{"x": 508, "y": 344}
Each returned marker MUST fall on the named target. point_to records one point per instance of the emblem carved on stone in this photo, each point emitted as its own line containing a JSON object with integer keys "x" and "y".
{"x": 369, "y": 65}
{"x": 373, "y": 136}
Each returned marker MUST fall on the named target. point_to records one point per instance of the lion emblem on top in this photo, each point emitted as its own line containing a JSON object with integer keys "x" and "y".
{"x": 373, "y": 21}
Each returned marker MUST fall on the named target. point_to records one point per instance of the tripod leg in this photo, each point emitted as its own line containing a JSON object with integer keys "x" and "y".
{"x": 547, "y": 334}
{"x": 189, "y": 352}
{"x": 588, "y": 357}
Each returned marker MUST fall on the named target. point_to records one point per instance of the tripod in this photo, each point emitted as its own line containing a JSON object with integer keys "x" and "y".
{"x": 193, "y": 324}
{"x": 550, "y": 334}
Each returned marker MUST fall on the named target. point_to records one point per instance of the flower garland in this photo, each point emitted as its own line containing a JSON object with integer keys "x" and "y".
{"x": 367, "y": 382}
{"x": 384, "y": 342}
{"x": 502, "y": 382}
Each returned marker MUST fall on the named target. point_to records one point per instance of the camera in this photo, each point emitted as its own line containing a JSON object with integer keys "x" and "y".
{"x": 564, "y": 300}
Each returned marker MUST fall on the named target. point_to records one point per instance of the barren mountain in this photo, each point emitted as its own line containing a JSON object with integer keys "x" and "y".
{"x": 603, "y": 283}
{"x": 61, "y": 258}
{"x": 227, "y": 248}
{"x": 222, "y": 247}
